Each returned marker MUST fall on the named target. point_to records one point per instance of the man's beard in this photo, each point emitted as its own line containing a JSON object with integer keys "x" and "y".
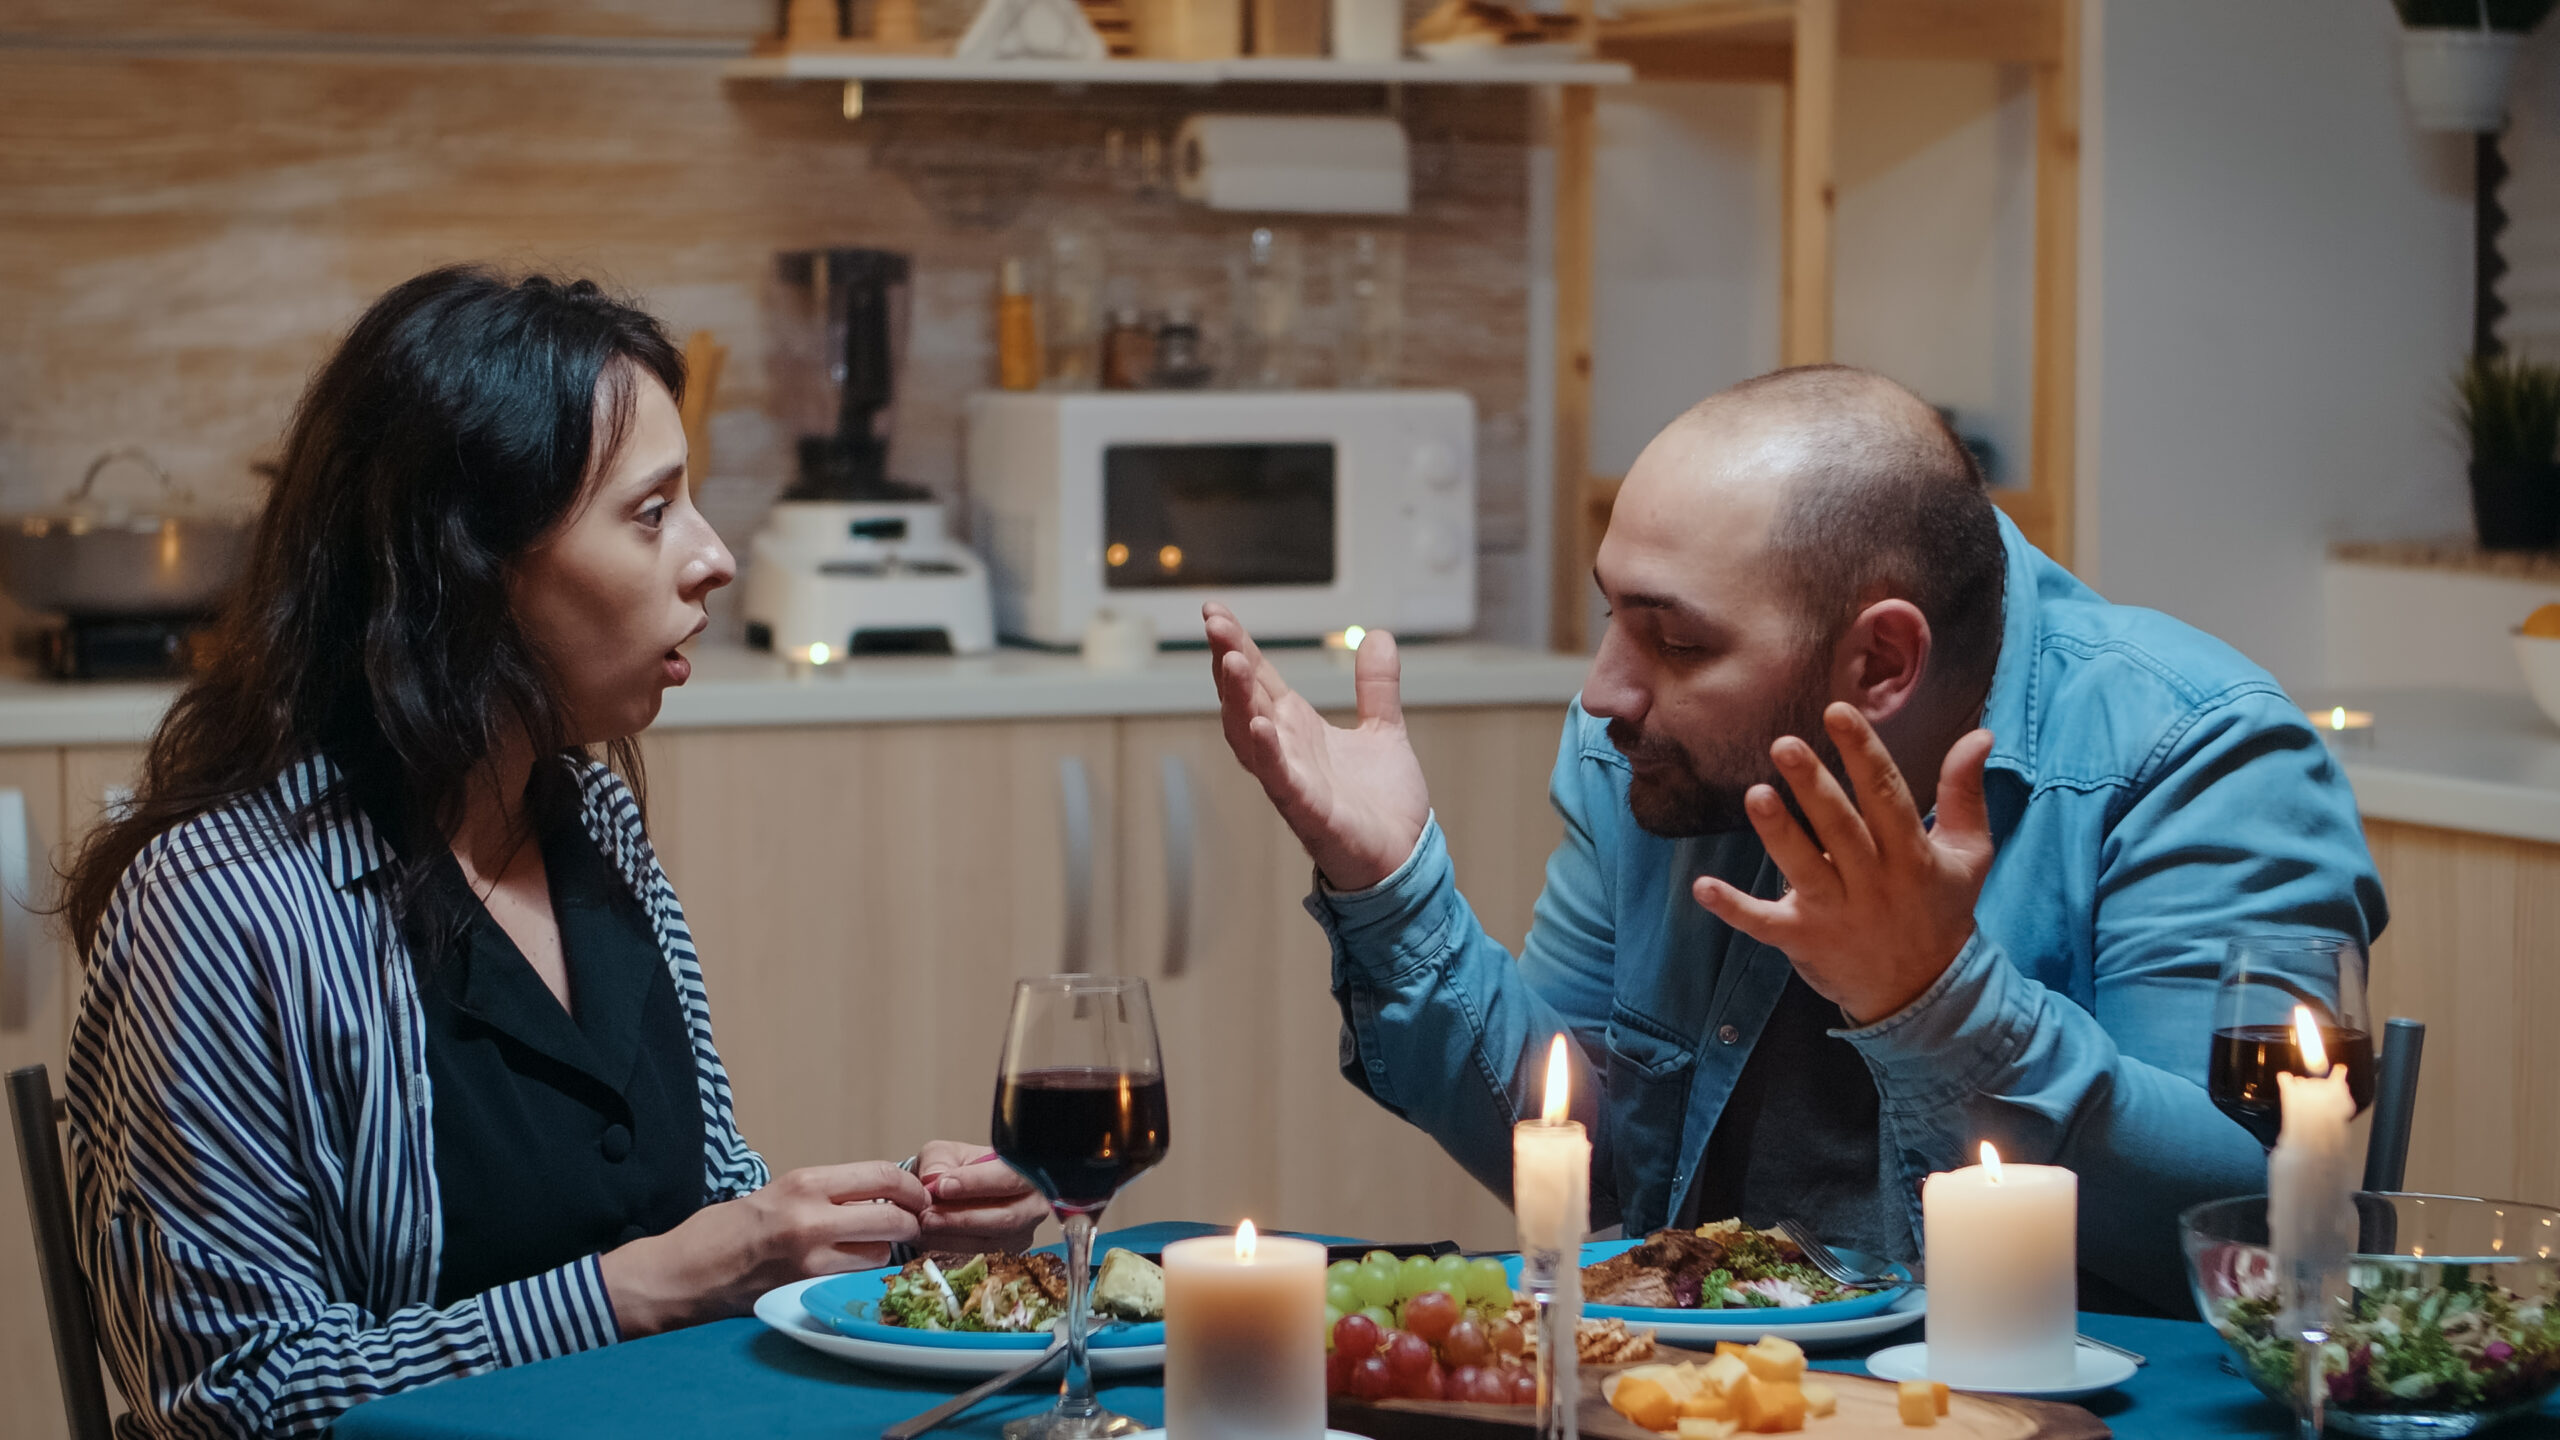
{"x": 1677, "y": 793}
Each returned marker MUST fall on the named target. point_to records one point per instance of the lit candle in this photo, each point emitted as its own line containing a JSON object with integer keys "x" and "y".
{"x": 2003, "y": 1248}
{"x": 2338, "y": 723}
{"x": 1244, "y": 1338}
{"x": 1551, "y": 1199}
{"x": 1551, "y": 1170}
{"x": 2311, "y": 1217}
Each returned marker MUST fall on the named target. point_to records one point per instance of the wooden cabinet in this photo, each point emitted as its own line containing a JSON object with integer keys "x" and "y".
{"x": 62, "y": 793}
{"x": 863, "y": 896}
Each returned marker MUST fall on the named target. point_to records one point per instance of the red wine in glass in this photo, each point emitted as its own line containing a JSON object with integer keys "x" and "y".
{"x": 1080, "y": 1111}
{"x": 1080, "y": 1132}
{"x": 2247, "y": 1059}
{"x": 2265, "y": 980}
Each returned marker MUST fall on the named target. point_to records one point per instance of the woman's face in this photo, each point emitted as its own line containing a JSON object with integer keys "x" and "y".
{"x": 611, "y": 594}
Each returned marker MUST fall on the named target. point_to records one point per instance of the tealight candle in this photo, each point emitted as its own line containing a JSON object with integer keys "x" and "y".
{"x": 1551, "y": 1199}
{"x": 2338, "y": 723}
{"x": 1244, "y": 1338}
{"x": 2003, "y": 1248}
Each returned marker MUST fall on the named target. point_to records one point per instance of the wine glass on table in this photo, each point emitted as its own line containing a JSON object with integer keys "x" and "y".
{"x": 1080, "y": 1111}
{"x": 2263, "y": 978}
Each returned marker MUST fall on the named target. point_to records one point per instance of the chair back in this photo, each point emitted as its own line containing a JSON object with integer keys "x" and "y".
{"x": 2395, "y": 1104}
{"x": 33, "y": 1114}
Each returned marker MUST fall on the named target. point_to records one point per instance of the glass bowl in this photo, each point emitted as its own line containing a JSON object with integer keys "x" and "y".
{"x": 2454, "y": 1323}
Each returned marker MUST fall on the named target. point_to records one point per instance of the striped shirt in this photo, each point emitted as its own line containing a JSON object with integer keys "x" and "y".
{"x": 251, "y": 1139}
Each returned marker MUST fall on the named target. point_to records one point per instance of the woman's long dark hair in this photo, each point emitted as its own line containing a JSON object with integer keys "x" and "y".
{"x": 452, "y": 431}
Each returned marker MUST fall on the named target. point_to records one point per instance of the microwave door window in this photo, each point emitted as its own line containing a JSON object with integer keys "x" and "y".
{"x": 1218, "y": 516}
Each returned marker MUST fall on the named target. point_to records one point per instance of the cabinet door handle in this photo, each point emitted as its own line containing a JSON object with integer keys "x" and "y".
{"x": 1075, "y": 812}
{"x": 17, "y": 922}
{"x": 1181, "y": 831}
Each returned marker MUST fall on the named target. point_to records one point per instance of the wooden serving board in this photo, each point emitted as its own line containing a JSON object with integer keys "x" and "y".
{"x": 1867, "y": 1412}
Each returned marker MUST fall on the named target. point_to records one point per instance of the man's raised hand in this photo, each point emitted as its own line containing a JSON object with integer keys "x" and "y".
{"x": 1355, "y": 797}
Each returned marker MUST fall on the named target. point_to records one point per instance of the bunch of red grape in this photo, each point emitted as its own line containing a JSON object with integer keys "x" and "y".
{"x": 1444, "y": 1332}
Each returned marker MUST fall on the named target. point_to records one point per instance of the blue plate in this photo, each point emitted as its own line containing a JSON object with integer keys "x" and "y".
{"x": 848, "y": 1304}
{"x": 1873, "y": 1303}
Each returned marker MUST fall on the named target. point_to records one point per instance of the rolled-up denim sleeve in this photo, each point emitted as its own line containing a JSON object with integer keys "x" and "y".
{"x": 1441, "y": 1024}
{"x": 2244, "y": 824}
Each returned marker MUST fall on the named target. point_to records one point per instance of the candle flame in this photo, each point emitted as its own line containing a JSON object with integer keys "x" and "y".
{"x": 2338, "y": 718}
{"x": 2306, "y": 1038}
{"x": 1991, "y": 1161}
{"x": 1245, "y": 1242}
{"x": 1559, "y": 1084}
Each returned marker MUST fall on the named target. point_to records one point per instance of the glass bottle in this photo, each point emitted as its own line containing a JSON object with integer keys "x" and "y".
{"x": 1368, "y": 290}
{"x": 1268, "y": 276}
{"x": 1017, "y": 330}
{"x": 1074, "y": 329}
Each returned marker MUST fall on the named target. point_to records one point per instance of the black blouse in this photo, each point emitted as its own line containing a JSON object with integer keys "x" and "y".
{"x": 557, "y": 1138}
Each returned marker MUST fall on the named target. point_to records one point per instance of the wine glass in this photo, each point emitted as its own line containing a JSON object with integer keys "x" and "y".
{"x": 2263, "y": 978}
{"x": 1080, "y": 1111}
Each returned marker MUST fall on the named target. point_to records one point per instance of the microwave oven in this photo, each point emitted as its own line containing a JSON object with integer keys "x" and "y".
{"x": 1305, "y": 511}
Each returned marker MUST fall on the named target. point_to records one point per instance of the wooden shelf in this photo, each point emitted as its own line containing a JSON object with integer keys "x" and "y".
{"x": 944, "y": 69}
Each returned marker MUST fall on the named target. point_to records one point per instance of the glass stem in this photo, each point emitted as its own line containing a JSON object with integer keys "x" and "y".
{"x": 1075, "y": 1399}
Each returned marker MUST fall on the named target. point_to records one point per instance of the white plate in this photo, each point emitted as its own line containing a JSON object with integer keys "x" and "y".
{"x": 2093, "y": 1370}
{"x": 780, "y": 1308}
{"x": 1804, "y": 1332}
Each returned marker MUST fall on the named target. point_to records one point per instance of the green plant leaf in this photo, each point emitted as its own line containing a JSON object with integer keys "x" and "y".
{"x": 2510, "y": 409}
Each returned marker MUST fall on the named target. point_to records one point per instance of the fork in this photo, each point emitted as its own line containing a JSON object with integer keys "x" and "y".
{"x": 1821, "y": 1257}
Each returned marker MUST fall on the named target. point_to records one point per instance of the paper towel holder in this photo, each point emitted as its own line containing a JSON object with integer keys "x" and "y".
{"x": 1297, "y": 164}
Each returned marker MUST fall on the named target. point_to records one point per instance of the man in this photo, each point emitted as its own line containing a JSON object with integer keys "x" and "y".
{"x": 1884, "y": 836}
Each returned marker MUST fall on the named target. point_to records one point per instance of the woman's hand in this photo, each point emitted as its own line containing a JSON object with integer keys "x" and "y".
{"x": 824, "y": 1220}
{"x": 979, "y": 1202}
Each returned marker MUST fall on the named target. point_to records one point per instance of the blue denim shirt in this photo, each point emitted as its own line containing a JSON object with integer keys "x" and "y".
{"x": 2152, "y": 794}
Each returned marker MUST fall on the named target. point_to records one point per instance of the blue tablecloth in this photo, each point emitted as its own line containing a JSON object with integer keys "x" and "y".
{"x": 737, "y": 1378}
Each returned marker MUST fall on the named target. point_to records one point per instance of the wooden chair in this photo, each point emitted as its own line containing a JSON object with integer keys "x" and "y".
{"x": 33, "y": 1115}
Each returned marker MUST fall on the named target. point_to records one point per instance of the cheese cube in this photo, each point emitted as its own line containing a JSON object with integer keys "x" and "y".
{"x": 1775, "y": 1359}
{"x": 1770, "y": 1407}
{"x": 1819, "y": 1399}
{"x": 1917, "y": 1402}
{"x": 1724, "y": 1372}
{"x": 1699, "y": 1428}
{"x": 1643, "y": 1400}
{"x": 1938, "y": 1391}
{"x": 1706, "y": 1402}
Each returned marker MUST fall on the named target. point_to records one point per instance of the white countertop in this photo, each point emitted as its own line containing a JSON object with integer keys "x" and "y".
{"x": 2456, "y": 759}
{"x": 733, "y": 687}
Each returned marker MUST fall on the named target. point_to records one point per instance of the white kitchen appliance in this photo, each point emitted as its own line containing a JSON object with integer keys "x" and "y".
{"x": 1307, "y": 511}
{"x": 831, "y": 578}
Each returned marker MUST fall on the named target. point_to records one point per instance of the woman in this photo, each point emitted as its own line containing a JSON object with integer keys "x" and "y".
{"x": 393, "y": 1062}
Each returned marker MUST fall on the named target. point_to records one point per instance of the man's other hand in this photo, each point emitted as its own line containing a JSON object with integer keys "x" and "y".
{"x": 1878, "y": 905}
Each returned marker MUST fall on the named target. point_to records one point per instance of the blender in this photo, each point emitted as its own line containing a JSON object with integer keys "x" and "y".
{"x": 851, "y": 561}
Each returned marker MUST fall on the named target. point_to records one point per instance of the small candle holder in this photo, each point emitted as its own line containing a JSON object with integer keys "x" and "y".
{"x": 2343, "y": 728}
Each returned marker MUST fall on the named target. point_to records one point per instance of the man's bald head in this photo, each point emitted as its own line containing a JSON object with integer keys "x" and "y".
{"x": 1875, "y": 499}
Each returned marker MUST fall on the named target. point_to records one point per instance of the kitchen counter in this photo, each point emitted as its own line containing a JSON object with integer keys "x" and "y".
{"x": 2456, "y": 760}
{"x": 733, "y": 687}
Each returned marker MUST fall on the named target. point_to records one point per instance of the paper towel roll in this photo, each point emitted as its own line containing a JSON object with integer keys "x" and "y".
{"x": 1301, "y": 164}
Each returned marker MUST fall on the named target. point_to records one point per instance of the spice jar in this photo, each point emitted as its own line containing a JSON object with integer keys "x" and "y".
{"x": 1128, "y": 351}
{"x": 1179, "y": 365}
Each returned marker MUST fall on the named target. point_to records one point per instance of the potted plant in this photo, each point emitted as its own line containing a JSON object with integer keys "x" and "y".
{"x": 2458, "y": 57}
{"x": 2510, "y": 409}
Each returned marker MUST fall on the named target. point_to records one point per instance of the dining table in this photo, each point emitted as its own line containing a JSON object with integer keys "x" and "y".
{"x": 740, "y": 1378}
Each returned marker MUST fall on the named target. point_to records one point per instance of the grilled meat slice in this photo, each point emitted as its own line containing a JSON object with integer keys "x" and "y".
{"x": 1664, "y": 1270}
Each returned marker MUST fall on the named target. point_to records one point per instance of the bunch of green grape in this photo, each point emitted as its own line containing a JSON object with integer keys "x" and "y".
{"x": 1378, "y": 1286}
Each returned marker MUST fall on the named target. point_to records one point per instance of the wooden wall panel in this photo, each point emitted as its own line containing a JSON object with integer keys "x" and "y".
{"x": 183, "y": 236}
{"x": 2473, "y": 949}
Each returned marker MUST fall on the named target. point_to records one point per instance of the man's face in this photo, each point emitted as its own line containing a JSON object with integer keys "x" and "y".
{"x": 1708, "y": 657}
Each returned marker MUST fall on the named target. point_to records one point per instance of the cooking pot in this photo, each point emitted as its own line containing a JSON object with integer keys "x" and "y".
{"x": 103, "y": 558}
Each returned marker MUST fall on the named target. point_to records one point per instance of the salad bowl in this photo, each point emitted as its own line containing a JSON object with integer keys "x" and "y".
{"x": 2452, "y": 1324}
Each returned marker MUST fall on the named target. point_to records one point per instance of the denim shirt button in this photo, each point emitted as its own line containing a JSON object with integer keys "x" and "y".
{"x": 1729, "y": 1034}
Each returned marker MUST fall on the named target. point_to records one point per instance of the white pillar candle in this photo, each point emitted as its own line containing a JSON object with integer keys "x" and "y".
{"x": 1244, "y": 1338}
{"x": 2003, "y": 1248}
{"x": 2310, "y": 1184}
{"x": 1551, "y": 1172}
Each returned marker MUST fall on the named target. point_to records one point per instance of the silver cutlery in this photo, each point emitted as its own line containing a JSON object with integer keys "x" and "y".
{"x": 1821, "y": 1257}
{"x": 943, "y": 1413}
